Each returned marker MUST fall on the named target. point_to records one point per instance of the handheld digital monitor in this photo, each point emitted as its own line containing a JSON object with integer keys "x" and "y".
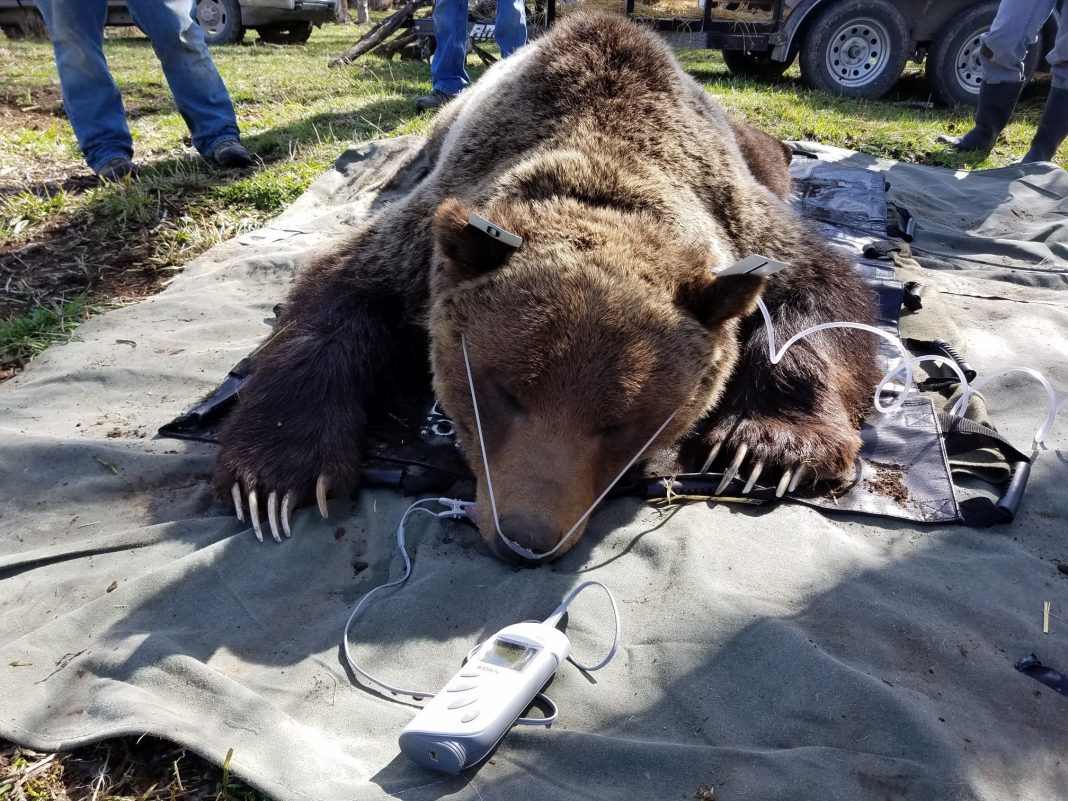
{"x": 463, "y": 723}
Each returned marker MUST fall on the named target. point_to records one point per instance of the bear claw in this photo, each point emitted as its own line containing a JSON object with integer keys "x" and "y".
{"x": 788, "y": 481}
{"x": 272, "y": 515}
{"x": 280, "y": 518}
{"x": 287, "y": 501}
{"x": 784, "y": 483}
{"x": 758, "y": 468}
{"x": 254, "y": 513}
{"x": 321, "y": 487}
{"x": 732, "y": 471}
{"x": 235, "y": 493}
{"x": 712, "y": 454}
{"x": 279, "y": 515}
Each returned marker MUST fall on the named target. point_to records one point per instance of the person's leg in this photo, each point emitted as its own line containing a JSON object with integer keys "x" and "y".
{"x": 1053, "y": 127}
{"x": 448, "y": 67}
{"x": 1002, "y": 52}
{"x": 1058, "y": 56}
{"x": 511, "y": 28}
{"x": 1015, "y": 28}
{"x": 198, "y": 89}
{"x": 91, "y": 99}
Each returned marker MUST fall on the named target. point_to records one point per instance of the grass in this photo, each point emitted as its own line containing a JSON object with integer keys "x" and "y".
{"x": 145, "y": 769}
{"x": 62, "y": 235}
{"x": 23, "y": 337}
{"x": 69, "y": 247}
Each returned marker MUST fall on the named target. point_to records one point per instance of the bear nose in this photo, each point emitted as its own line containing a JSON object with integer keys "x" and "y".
{"x": 533, "y": 533}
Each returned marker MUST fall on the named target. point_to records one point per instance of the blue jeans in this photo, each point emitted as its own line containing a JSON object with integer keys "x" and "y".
{"x": 90, "y": 96}
{"x": 448, "y": 66}
{"x": 1015, "y": 28}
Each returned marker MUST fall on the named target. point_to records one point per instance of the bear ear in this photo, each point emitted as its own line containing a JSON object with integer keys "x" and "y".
{"x": 714, "y": 300}
{"x": 468, "y": 251}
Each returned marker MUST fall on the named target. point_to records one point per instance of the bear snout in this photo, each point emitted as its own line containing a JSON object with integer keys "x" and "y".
{"x": 532, "y": 532}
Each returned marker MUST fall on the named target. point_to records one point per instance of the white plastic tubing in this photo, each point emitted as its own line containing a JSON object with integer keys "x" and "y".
{"x": 904, "y": 373}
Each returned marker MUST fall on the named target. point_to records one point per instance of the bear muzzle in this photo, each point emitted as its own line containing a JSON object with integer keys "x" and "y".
{"x": 534, "y": 533}
{"x": 528, "y": 530}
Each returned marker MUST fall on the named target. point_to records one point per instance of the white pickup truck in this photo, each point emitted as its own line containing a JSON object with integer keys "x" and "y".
{"x": 223, "y": 21}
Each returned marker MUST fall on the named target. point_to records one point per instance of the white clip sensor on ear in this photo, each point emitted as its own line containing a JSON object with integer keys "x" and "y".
{"x": 753, "y": 265}
{"x": 486, "y": 227}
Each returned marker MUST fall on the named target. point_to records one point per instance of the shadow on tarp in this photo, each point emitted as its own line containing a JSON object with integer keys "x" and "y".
{"x": 898, "y": 683}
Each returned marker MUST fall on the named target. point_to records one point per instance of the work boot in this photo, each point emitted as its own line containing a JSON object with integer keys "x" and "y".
{"x": 996, "y": 104}
{"x": 116, "y": 169}
{"x": 231, "y": 153}
{"x": 1052, "y": 128}
{"x": 435, "y": 99}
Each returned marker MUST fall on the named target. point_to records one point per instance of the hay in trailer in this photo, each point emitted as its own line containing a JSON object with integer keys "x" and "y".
{"x": 676, "y": 9}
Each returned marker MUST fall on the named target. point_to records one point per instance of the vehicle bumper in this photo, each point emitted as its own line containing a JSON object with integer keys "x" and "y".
{"x": 265, "y": 12}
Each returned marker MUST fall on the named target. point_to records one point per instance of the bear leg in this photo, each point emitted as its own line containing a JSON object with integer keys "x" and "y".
{"x": 797, "y": 421}
{"x": 298, "y": 427}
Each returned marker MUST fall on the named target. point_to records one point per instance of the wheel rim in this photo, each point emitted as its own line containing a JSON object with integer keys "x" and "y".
{"x": 212, "y": 16}
{"x": 858, "y": 52}
{"x": 967, "y": 68}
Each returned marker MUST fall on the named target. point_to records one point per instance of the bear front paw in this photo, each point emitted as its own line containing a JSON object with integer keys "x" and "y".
{"x": 789, "y": 452}
{"x": 280, "y": 467}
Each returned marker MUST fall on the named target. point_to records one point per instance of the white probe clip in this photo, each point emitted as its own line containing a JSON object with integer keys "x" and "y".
{"x": 498, "y": 233}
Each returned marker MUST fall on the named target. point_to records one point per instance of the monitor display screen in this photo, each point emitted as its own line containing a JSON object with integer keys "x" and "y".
{"x": 512, "y": 655}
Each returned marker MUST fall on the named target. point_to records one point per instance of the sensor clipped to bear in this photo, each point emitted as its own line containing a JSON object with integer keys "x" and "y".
{"x": 624, "y": 189}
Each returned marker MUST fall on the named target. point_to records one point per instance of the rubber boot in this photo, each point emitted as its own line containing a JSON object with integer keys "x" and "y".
{"x": 1052, "y": 128}
{"x": 996, "y": 104}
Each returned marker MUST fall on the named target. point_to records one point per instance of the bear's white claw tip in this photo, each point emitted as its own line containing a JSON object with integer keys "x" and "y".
{"x": 254, "y": 513}
{"x": 784, "y": 482}
{"x": 732, "y": 471}
{"x": 758, "y": 468}
{"x": 321, "y": 486}
{"x": 712, "y": 454}
{"x": 272, "y": 515}
{"x": 235, "y": 493}
{"x": 287, "y": 513}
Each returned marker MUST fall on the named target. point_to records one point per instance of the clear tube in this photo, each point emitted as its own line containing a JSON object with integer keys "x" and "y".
{"x": 904, "y": 373}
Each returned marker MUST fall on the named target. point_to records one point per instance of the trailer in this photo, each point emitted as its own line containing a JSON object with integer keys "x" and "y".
{"x": 849, "y": 48}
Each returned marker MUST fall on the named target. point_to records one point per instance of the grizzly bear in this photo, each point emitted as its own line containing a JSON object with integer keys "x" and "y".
{"x": 629, "y": 188}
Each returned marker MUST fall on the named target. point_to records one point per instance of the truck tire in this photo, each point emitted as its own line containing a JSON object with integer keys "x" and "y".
{"x": 756, "y": 63}
{"x": 221, "y": 21}
{"x": 855, "y": 48}
{"x": 952, "y": 69}
{"x": 286, "y": 33}
{"x": 30, "y": 26}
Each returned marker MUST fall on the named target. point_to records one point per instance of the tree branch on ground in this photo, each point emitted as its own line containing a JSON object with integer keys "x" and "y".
{"x": 389, "y": 49}
{"x": 379, "y": 33}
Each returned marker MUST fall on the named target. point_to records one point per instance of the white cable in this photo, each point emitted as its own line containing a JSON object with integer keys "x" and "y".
{"x": 455, "y": 510}
{"x": 558, "y": 613}
{"x": 909, "y": 362}
{"x": 526, "y": 553}
{"x": 546, "y": 721}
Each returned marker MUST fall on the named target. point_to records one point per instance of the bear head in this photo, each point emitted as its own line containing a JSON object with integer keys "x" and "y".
{"x": 582, "y": 342}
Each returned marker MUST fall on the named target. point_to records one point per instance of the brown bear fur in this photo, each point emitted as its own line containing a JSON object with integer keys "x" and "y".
{"x": 630, "y": 187}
